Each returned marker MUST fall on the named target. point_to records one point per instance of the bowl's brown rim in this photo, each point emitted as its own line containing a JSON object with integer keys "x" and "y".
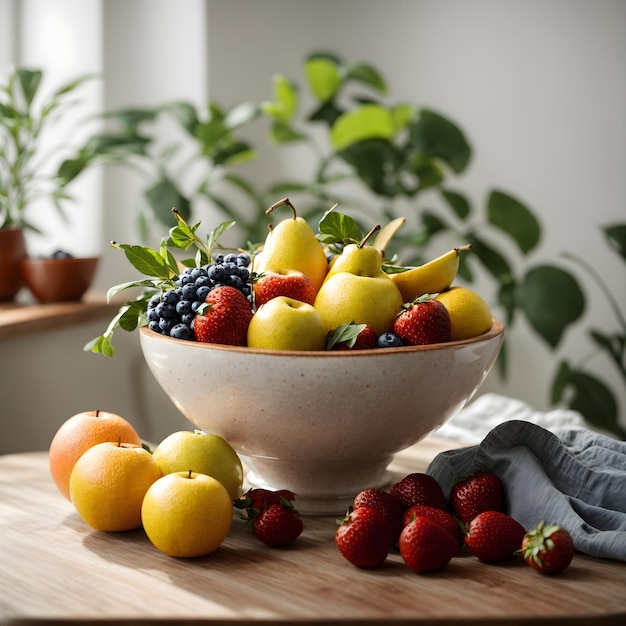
{"x": 496, "y": 330}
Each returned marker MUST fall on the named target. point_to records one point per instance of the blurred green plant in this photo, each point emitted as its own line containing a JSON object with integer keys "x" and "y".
{"x": 399, "y": 157}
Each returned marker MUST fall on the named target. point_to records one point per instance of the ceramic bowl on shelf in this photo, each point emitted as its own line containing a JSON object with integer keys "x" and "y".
{"x": 322, "y": 424}
{"x": 58, "y": 279}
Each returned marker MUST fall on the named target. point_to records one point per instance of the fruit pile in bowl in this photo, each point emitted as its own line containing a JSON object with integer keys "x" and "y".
{"x": 315, "y": 357}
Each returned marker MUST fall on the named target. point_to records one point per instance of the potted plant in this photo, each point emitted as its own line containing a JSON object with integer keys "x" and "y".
{"x": 28, "y": 173}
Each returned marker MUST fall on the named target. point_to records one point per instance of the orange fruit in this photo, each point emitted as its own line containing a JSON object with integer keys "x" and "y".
{"x": 187, "y": 514}
{"x": 204, "y": 453}
{"x": 79, "y": 433}
{"x": 108, "y": 484}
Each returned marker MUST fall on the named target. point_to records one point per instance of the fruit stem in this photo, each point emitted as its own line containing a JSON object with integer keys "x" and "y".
{"x": 284, "y": 201}
{"x": 364, "y": 240}
{"x": 467, "y": 246}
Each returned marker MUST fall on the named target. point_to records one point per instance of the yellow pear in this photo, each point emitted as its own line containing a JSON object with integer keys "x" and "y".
{"x": 292, "y": 245}
{"x": 432, "y": 277}
{"x": 358, "y": 290}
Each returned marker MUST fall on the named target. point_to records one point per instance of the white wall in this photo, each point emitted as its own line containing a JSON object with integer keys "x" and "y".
{"x": 538, "y": 86}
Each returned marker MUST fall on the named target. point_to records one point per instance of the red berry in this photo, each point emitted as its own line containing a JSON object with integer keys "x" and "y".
{"x": 473, "y": 494}
{"x": 387, "y": 504}
{"x": 277, "y": 525}
{"x": 226, "y": 318}
{"x": 426, "y": 546}
{"x": 439, "y": 516}
{"x": 364, "y": 537}
{"x": 418, "y": 488}
{"x": 548, "y": 548}
{"x": 423, "y": 321}
{"x": 352, "y": 337}
{"x": 494, "y": 536}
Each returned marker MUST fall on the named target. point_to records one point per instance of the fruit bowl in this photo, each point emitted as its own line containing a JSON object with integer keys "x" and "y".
{"x": 323, "y": 424}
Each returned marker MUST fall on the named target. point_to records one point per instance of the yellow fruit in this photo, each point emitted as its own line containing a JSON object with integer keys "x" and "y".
{"x": 357, "y": 290}
{"x": 187, "y": 514}
{"x": 204, "y": 453}
{"x": 470, "y": 315}
{"x": 79, "y": 433}
{"x": 432, "y": 277}
{"x": 108, "y": 484}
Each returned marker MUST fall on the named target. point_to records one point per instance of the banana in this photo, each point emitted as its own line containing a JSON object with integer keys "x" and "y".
{"x": 432, "y": 277}
{"x": 386, "y": 233}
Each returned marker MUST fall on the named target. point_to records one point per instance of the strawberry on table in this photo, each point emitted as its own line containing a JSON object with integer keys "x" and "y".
{"x": 426, "y": 546}
{"x": 387, "y": 504}
{"x": 277, "y": 525}
{"x": 475, "y": 493}
{"x": 439, "y": 516}
{"x": 364, "y": 537}
{"x": 223, "y": 318}
{"x": 419, "y": 488}
{"x": 423, "y": 321}
{"x": 494, "y": 536}
{"x": 548, "y": 548}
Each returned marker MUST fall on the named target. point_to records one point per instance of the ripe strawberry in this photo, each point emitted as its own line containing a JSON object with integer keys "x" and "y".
{"x": 418, "y": 488}
{"x": 291, "y": 283}
{"x": 493, "y": 536}
{"x": 387, "y": 504}
{"x": 423, "y": 321}
{"x": 277, "y": 525}
{"x": 352, "y": 337}
{"x": 473, "y": 494}
{"x": 364, "y": 537}
{"x": 439, "y": 516}
{"x": 254, "y": 500}
{"x": 548, "y": 548}
{"x": 224, "y": 318}
{"x": 426, "y": 546}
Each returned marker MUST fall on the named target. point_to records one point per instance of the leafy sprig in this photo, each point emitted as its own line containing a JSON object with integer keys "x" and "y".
{"x": 161, "y": 268}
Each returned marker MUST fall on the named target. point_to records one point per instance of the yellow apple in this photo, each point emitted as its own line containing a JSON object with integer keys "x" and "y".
{"x": 286, "y": 324}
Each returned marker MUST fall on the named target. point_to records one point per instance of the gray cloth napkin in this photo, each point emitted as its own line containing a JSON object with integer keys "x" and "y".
{"x": 576, "y": 479}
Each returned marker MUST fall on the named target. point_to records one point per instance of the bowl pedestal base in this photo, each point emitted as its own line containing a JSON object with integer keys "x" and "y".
{"x": 321, "y": 487}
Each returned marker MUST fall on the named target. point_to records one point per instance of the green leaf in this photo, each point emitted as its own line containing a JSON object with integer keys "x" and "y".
{"x": 281, "y": 133}
{"x": 242, "y": 114}
{"x": 327, "y": 112}
{"x": 616, "y": 236}
{"x": 186, "y": 115}
{"x": 402, "y": 115}
{"x": 507, "y": 299}
{"x": 367, "y": 122}
{"x": 146, "y": 260}
{"x": 29, "y": 81}
{"x": 368, "y": 75}
{"x": 551, "y": 299}
{"x": 131, "y": 118}
{"x": 559, "y": 382}
{"x": 335, "y": 227}
{"x": 113, "y": 291}
{"x": 494, "y": 262}
{"x": 323, "y": 76}
{"x": 439, "y": 137}
{"x": 458, "y": 203}
{"x": 345, "y": 333}
{"x": 234, "y": 153}
{"x": 162, "y": 197}
{"x": 515, "y": 219}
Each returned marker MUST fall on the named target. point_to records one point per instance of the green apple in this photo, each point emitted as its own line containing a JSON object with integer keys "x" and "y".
{"x": 204, "y": 453}
{"x": 283, "y": 323}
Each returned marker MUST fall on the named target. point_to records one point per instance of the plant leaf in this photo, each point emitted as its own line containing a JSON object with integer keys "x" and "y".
{"x": 146, "y": 260}
{"x": 335, "y": 227}
{"x": 457, "y": 202}
{"x": 323, "y": 76}
{"x": 616, "y": 236}
{"x": 551, "y": 299}
{"x": 494, "y": 262}
{"x": 367, "y": 122}
{"x": 369, "y": 75}
{"x": 514, "y": 218}
{"x": 439, "y": 137}
{"x": 29, "y": 83}
{"x": 162, "y": 197}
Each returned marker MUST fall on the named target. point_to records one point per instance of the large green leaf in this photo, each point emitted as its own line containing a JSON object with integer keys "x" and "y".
{"x": 130, "y": 119}
{"x": 616, "y": 236}
{"x": 457, "y": 202}
{"x": 162, "y": 197}
{"x": 367, "y": 122}
{"x": 29, "y": 83}
{"x": 495, "y": 262}
{"x": 186, "y": 115}
{"x": 323, "y": 76}
{"x": 514, "y": 218}
{"x": 439, "y": 137}
{"x": 551, "y": 299}
{"x": 369, "y": 75}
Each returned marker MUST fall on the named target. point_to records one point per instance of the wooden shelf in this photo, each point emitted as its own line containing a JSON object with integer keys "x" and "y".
{"x": 25, "y": 318}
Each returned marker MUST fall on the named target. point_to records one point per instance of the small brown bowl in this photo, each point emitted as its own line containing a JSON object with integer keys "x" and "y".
{"x": 58, "y": 280}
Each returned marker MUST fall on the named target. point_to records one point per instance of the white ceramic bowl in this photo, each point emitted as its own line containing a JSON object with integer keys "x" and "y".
{"x": 323, "y": 424}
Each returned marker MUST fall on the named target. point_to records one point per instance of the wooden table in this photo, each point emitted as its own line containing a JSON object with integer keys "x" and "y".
{"x": 53, "y": 568}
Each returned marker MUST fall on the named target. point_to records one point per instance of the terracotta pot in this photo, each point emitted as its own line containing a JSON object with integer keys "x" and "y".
{"x": 58, "y": 280}
{"x": 12, "y": 251}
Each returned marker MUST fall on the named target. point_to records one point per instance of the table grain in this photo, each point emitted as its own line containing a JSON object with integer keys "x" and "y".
{"x": 55, "y": 569}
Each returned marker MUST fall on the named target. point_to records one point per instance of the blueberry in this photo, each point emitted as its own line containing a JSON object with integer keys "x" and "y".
{"x": 154, "y": 300}
{"x": 195, "y": 305}
{"x": 152, "y": 315}
{"x": 189, "y": 291}
{"x": 389, "y": 340}
{"x": 243, "y": 260}
{"x": 217, "y": 273}
{"x": 181, "y": 331}
{"x": 230, "y": 258}
{"x": 203, "y": 281}
{"x": 166, "y": 325}
{"x": 183, "y": 306}
{"x": 236, "y": 282}
{"x": 197, "y": 272}
{"x": 244, "y": 273}
{"x": 154, "y": 325}
{"x": 218, "y": 258}
{"x": 187, "y": 318}
{"x": 170, "y": 297}
{"x": 165, "y": 310}
{"x": 202, "y": 293}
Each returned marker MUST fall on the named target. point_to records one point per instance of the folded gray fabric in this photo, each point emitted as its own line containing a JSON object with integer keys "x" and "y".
{"x": 576, "y": 479}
